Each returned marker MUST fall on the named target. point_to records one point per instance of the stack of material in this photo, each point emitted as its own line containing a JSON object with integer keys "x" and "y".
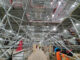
{"x": 37, "y": 55}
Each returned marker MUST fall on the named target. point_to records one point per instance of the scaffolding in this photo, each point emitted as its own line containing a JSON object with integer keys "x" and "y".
{"x": 21, "y": 14}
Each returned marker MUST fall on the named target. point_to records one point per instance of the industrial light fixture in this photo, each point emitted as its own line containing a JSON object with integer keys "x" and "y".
{"x": 51, "y": 3}
{"x": 54, "y": 28}
{"x": 1, "y": 39}
{"x": 65, "y": 30}
{"x": 52, "y": 15}
{"x": 10, "y": 31}
{"x": 59, "y": 3}
{"x": 77, "y": 24}
{"x": 74, "y": 5}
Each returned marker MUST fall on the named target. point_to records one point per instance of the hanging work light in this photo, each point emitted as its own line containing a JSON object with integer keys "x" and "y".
{"x": 65, "y": 30}
{"x": 52, "y": 15}
{"x": 77, "y": 24}
{"x": 59, "y": 3}
{"x": 10, "y": 31}
{"x": 51, "y": 3}
{"x": 54, "y": 28}
{"x": 1, "y": 39}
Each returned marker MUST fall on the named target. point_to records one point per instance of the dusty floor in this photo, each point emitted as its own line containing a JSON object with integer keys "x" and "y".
{"x": 38, "y": 55}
